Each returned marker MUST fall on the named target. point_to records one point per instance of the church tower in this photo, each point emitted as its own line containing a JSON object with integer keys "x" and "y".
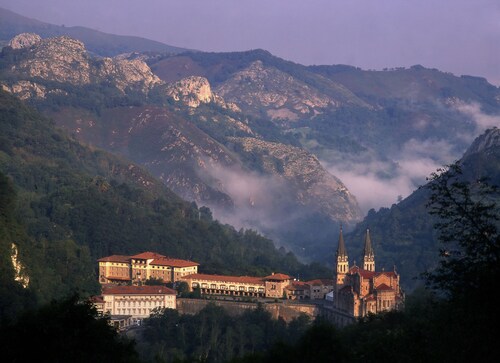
{"x": 341, "y": 263}
{"x": 368, "y": 255}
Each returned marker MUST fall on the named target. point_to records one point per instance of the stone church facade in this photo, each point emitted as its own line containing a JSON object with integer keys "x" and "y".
{"x": 361, "y": 290}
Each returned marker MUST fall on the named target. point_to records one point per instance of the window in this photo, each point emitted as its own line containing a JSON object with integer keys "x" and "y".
{"x": 242, "y": 288}
{"x": 213, "y": 286}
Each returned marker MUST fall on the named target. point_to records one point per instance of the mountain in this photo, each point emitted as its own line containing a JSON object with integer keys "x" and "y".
{"x": 64, "y": 205}
{"x": 216, "y": 127}
{"x": 389, "y": 124}
{"x": 403, "y": 235}
{"x": 201, "y": 146}
{"x": 103, "y": 44}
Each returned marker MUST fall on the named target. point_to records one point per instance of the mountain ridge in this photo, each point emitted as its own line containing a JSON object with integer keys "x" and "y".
{"x": 103, "y": 44}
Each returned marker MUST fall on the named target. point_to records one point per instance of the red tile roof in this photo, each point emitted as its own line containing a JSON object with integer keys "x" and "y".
{"x": 115, "y": 258}
{"x": 137, "y": 290}
{"x": 383, "y": 287}
{"x": 173, "y": 262}
{"x": 317, "y": 282}
{"x": 277, "y": 277}
{"x": 388, "y": 273}
{"x": 226, "y": 279}
{"x": 147, "y": 256}
{"x": 298, "y": 285}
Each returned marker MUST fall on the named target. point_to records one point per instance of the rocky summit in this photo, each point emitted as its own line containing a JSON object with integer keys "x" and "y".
{"x": 63, "y": 60}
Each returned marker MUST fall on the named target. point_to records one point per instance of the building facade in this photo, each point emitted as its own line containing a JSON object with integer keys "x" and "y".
{"x": 120, "y": 269}
{"x": 275, "y": 286}
{"x": 136, "y": 301}
{"x": 226, "y": 285}
{"x": 362, "y": 290}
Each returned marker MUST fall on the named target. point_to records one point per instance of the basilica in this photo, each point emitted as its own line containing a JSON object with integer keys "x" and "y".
{"x": 361, "y": 290}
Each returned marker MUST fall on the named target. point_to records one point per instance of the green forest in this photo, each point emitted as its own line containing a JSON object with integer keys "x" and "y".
{"x": 66, "y": 205}
{"x": 63, "y": 205}
{"x": 452, "y": 320}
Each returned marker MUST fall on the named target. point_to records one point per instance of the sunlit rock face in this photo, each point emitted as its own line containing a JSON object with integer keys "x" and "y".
{"x": 19, "y": 270}
{"x": 65, "y": 60}
{"x": 24, "y": 40}
{"x": 488, "y": 140}
{"x": 284, "y": 97}
{"x": 60, "y": 59}
{"x": 127, "y": 73}
{"x": 307, "y": 182}
{"x": 194, "y": 91}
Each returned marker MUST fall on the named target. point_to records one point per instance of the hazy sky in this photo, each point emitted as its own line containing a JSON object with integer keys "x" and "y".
{"x": 458, "y": 36}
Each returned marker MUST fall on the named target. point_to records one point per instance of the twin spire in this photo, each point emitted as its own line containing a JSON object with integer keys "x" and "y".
{"x": 342, "y": 264}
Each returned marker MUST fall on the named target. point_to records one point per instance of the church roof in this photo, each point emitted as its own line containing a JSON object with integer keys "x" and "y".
{"x": 364, "y": 273}
{"x": 383, "y": 287}
{"x": 371, "y": 274}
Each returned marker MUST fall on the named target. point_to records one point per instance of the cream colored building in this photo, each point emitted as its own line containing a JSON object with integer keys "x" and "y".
{"x": 226, "y": 285}
{"x": 120, "y": 269}
{"x": 137, "y": 301}
{"x": 276, "y": 284}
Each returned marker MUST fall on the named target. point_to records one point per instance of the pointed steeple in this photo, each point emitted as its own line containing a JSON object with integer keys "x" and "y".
{"x": 342, "y": 261}
{"x": 341, "y": 251}
{"x": 368, "y": 254}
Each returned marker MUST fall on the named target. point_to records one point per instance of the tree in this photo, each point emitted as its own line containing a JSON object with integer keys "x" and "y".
{"x": 469, "y": 270}
{"x": 468, "y": 221}
{"x": 64, "y": 331}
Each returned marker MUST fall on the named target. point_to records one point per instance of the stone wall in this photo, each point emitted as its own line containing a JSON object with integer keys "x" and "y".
{"x": 284, "y": 310}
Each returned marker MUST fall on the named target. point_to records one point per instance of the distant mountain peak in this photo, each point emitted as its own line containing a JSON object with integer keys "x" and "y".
{"x": 489, "y": 139}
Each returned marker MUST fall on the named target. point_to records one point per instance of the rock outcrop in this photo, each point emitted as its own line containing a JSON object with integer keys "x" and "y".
{"x": 488, "y": 140}
{"x": 24, "y": 40}
{"x": 283, "y": 97}
{"x": 311, "y": 185}
{"x": 65, "y": 60}
{"x": 194, "y": 90}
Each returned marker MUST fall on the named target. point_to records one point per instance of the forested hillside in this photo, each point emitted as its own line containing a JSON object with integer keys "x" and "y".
{"x": 404, "y": 234}
{"x": 74, "y": 204}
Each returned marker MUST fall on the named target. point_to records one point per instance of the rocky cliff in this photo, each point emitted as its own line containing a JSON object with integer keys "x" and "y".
{"x": 65, "y": 60}
{"x": 194, "y": 91}
{"x": 258, "y": 87}
{"x": 308, "y": 183}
